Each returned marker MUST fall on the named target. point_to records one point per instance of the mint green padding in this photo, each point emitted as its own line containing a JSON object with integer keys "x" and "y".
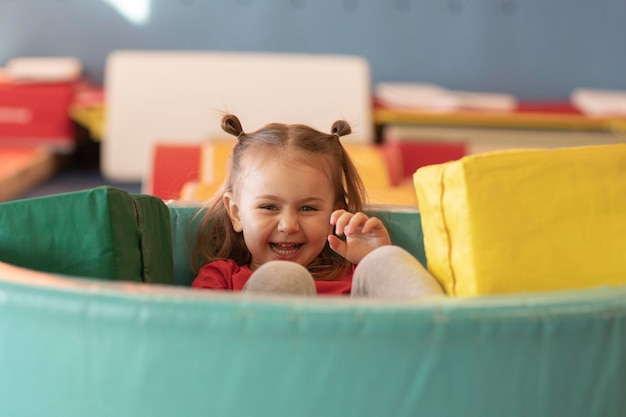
{"x": 184, "y": 222}
{"x": 405, "y": 228}
{"x": 98, "y": 233}
{"x": 73, "y": 352}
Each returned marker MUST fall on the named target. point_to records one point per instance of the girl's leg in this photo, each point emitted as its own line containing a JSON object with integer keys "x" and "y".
{"x": 281, "y": 277}
{"x": 391, "y": 272}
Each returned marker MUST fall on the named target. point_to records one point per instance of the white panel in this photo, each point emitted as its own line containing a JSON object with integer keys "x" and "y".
{"x": 180, "y": 97}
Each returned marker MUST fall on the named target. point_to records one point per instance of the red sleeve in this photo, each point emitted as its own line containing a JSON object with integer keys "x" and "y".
{"x": 227, "y": 275}
{"x": 215, "y": 276}
{"x": 341, "y": 286}
{"x": 222, "y": 275}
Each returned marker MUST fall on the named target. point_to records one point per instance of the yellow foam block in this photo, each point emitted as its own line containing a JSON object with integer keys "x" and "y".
{"x": 199, "y": 191}
{"x": 375, "y": 171}
{"x": 371, "y": 164}
{"x": 526, "y": 220}
{"x": 214, "y": 160}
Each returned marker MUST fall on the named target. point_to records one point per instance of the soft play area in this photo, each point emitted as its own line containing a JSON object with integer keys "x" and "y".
{"x": 534, "y": 321}
{"x": 495, "y": 156}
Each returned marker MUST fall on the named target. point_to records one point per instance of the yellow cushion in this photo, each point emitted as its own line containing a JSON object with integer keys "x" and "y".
{"x": 371, "y": 164}
{"x": 526, "y": 220}
{"x": 213, "y": 168}
{"x": 375, "y": 171}
{"x": 214, "y": 160}
{"x": 198, "y": 191}
{"x": 399, "y": 195}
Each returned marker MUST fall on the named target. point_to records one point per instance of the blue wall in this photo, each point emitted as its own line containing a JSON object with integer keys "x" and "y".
{"x": 535, "y": 49}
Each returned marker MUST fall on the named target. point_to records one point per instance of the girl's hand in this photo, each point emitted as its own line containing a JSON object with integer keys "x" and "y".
{"x": 363, "y": 234}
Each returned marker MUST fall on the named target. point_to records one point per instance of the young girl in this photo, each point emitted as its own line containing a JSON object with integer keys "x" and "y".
{"x": 289, "y": 219}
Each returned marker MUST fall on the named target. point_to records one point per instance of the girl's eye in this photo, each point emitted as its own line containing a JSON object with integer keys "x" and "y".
{"x": 309, "y": 208}
{"x": 268, "y": 207}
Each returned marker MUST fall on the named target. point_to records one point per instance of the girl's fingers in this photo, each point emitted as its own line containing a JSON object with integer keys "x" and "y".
{"x": 335, "y": 215}
{"x": 352, "y": 223}
{"x": 372, "y": 224}
{"x": 340, "y": 219}
{"x": 335, "y": 220}
{"x": 338, "y": 245}
{"x": 357, "y": 224}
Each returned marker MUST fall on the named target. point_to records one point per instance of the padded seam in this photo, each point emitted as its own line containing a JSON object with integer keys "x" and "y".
{"x": 140, "y": 239}
{"x": 446, "y": 228}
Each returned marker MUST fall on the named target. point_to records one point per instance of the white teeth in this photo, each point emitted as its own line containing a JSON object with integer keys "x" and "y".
{"x": 284, "y": 249}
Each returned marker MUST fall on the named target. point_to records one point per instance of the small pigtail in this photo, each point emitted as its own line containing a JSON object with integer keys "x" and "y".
{"x": 340, "y": 128}
{"x": 232, "y": 125}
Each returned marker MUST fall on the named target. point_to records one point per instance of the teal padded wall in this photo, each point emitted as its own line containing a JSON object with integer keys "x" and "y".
{"x": 137, "y": 350}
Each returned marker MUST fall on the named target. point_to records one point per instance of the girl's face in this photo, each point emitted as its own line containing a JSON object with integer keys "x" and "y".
{"x": 283, "y": 208}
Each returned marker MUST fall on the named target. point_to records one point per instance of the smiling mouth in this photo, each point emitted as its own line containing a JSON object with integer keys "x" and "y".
{"x": 285, "y": 248}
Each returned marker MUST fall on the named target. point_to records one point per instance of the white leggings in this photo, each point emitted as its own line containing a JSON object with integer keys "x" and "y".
{"x": 386, "y": 272}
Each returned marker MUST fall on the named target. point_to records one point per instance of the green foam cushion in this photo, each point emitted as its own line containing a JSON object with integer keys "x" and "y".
{"x": 153, "y": 220}
{"x": 102, "y": 233}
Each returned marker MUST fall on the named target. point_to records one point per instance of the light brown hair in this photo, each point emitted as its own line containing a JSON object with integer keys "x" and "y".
{"x": 216, "y": 238}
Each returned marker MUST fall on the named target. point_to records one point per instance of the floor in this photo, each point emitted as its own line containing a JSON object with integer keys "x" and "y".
{"x": 78, "y": 171}
{"x": 74, "y": 178}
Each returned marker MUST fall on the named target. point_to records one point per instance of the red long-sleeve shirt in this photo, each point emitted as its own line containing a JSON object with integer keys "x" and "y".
{"x": 227, "y": 275}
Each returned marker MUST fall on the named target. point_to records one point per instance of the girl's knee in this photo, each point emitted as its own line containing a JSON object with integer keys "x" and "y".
{"x": 392, "y": 272}
{"x": 281, "y": 277}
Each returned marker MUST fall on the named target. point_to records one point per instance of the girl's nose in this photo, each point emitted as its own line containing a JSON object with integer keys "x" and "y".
{"x": 288, "y": 223}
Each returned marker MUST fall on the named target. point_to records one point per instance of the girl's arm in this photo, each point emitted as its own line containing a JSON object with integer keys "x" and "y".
{"x": 362, "y": 234}
{"x": 221, "y": 275}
